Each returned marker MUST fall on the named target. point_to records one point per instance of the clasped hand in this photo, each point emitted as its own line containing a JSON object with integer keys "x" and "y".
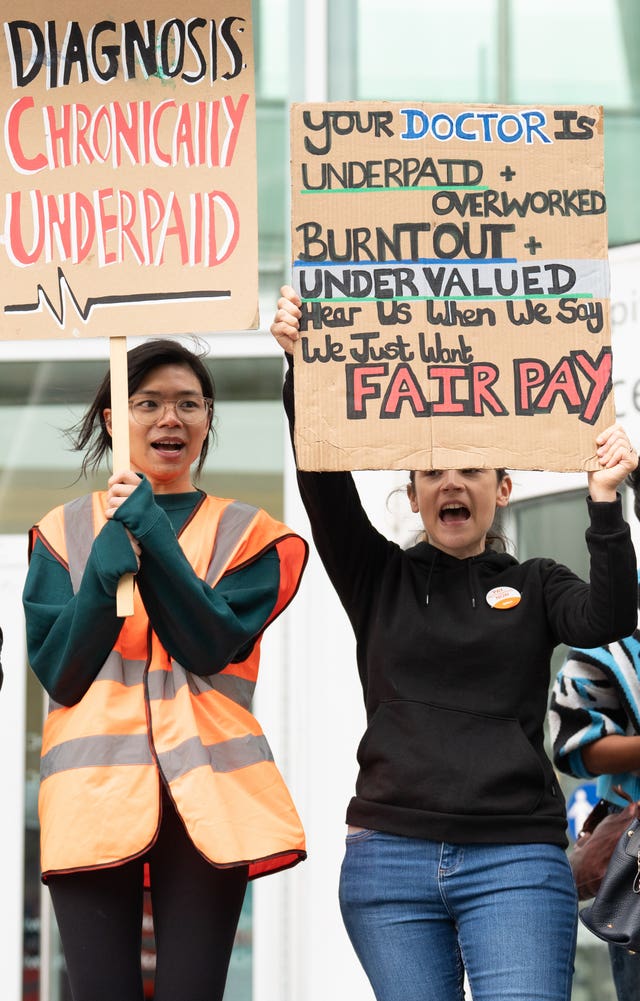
{"x": 120, "y": 486}
{"x": 617, "y": 458}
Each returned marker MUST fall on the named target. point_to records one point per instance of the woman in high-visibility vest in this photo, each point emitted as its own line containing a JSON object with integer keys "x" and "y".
{"x": 152, "y": 763}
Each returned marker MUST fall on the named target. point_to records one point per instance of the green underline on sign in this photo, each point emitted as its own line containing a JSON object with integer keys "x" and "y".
{"x": 359, "y": 191}
{"x": 453, "y": 298}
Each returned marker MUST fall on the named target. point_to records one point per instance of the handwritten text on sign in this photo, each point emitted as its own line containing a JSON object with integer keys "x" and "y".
{"x": 452, "y": 263}
{"x": 129, "y": 170}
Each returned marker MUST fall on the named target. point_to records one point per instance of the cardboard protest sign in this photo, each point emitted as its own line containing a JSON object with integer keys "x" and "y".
{"x": 129, "y": 169}
{"x": 452, "y": 261}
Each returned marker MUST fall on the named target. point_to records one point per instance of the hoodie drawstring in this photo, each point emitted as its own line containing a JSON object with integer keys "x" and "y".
{"x": 469, "y": 579}
{"x": 433, "y": 563}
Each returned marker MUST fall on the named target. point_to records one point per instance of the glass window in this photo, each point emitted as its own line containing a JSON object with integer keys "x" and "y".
{"x": 413, "y": 49}
{"x": 553, "y": 526}
{"x": 272, "y": 137}
{"x": 622, "y": 149}
{"x": 584, "y": 53}
{"x": 271, "y": 47}
{"x": 591, "y": 56}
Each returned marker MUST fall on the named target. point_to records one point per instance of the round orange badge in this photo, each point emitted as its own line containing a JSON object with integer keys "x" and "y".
{"x": 503, "y": 597}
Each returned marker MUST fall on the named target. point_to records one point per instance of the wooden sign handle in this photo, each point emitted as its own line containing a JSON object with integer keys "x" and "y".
{"x": 120, "y": 446}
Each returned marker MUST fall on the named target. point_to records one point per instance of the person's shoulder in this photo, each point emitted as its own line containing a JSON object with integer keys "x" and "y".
{"x": 542, "y": 564}
{"x": 230, "y": 512}
{"x": 212, "y": 500}
{"x": 71, "y": 504}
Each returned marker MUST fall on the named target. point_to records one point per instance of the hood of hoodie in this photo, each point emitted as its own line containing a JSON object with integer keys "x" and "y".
{"x": 424, "y": 552}
{"x": 438, "y": 563}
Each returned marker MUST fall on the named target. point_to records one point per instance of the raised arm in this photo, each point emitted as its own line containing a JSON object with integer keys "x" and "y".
{"x": 351, "y": 549}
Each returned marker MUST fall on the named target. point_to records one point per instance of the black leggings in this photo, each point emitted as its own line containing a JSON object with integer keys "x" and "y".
{"x": 196, "y": 908}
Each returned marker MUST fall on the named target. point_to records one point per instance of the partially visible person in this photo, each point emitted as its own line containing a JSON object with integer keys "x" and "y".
{"x": 455, "y": 846}
{"x": 594, "y": 720}
{"x": 151, "y": 757}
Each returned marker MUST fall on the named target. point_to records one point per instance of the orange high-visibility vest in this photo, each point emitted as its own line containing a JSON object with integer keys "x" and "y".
{"x": 146, "y": 716}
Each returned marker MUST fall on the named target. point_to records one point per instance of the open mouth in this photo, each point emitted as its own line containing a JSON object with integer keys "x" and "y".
{"x": 454, "y": 513}
{"x": 168, "y": 446}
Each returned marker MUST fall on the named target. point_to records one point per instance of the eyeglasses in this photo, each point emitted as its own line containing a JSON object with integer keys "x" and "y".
{"x": 149, "y": 410}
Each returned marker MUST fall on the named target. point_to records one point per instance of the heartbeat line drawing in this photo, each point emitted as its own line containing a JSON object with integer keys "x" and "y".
{"x": 65, "y": 293}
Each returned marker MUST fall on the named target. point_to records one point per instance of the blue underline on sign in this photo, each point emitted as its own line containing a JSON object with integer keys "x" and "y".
{"x": 419, "y": 260}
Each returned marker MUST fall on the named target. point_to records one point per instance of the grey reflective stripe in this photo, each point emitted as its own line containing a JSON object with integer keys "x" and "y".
{"x": 234, "y": 521}
{"x": 239, "y": 690}
{"x": 96, "y": 752}
{"x": 227, "y": 756}
{"x": 79, "y": 536}
{"x": 106, "y": 751}
{"x": 165, "y": 685}
{"x": 125, "y": 672}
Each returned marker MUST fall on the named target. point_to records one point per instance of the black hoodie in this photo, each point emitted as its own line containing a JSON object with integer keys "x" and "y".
{"x": 455, "y": 688}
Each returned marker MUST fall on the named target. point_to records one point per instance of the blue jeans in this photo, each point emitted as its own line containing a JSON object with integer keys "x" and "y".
{"x": 625, "y": 967}
{"x": 420, "y": 913}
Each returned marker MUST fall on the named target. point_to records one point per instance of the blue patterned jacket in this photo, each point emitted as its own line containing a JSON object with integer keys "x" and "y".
{"x": 597, "y": 693}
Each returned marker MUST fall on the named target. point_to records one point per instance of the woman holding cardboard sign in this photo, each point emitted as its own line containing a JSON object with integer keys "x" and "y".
{"x": 455, "y": 848}
{"x": 150, "y": 755}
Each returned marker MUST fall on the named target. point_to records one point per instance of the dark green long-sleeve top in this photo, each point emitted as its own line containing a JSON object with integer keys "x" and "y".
{"x": 70, "y": 636}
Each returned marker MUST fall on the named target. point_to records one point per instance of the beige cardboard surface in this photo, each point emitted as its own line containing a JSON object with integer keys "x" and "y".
{"x": 453, "y": 264}
{"x": 128, "y": 172}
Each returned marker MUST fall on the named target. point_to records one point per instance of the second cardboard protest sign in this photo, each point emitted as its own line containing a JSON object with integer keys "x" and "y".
{"x": 452, "y": 262}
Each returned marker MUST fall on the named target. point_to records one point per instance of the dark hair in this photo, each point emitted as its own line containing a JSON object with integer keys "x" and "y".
{"x": 496, "y": 539}
{"x": 91, "y": 434}
{"x": 633, "y": 481}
